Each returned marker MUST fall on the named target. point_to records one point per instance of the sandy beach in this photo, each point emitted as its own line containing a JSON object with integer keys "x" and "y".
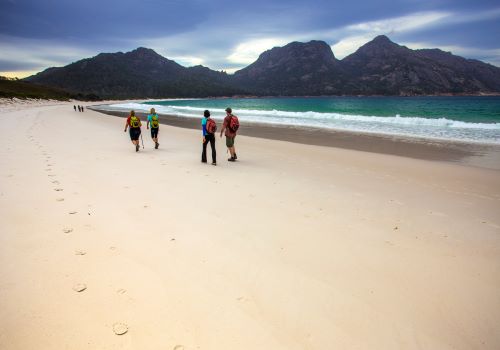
{"x": 295, "y": 246}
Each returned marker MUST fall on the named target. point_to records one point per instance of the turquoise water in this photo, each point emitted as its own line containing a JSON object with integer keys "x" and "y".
{"x": 472, "y": 109}
{"x": 474, "y": 119}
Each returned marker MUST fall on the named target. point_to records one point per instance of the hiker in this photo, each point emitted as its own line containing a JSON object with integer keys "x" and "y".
{"x": 209, "y": 128}
{"x": 74, "y": 107}
{"x": 134, "y": 123}
{"x": 230, "y": 127}
{"x": 155, "y": 126}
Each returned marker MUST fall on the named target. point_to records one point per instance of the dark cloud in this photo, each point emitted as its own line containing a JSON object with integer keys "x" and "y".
{"x": 9, "y": 65}
{"x": 483, "y": 35}
{"x": 211, "y": 30}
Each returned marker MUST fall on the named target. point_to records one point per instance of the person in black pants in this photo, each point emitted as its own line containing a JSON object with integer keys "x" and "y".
{"x": 209, "y": 128}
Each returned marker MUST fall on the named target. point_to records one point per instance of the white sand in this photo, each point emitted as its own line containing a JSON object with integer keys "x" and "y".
{"x": 292, "y": 247}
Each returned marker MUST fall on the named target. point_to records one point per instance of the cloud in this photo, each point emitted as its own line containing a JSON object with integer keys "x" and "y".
{"x": 225, "y": 35}
{"x": 355, "y": 35}
{"x": 247, "y": 52}
{"x": 358, "y": 34}
{"x": 491, "y": 56}
{"x": 188, "y": 60}
{"x": 21, "y": 55}
{"x": 17, "y": 74}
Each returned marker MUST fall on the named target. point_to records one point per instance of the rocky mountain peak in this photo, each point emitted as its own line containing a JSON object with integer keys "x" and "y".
{"x": 380, "y": 46}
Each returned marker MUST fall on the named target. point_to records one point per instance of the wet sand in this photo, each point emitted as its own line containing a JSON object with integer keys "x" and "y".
{"x": 475, "y": 154}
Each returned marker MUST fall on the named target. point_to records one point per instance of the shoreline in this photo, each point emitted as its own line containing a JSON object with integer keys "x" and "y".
{"x": 473, "y": 154}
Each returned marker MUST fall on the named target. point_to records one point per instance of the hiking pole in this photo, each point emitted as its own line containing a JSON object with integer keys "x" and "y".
{"x": 142, "y": 142}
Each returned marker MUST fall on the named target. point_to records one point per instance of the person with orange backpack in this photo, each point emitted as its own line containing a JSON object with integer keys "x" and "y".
{"x": 134, "y": 123}
{"x": 154, "y": 123}
{"x": 230, "y": 127}
{"x": 209, "y": 127}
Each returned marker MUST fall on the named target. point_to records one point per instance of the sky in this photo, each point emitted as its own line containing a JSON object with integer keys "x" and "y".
{"x": 230, "y": 34}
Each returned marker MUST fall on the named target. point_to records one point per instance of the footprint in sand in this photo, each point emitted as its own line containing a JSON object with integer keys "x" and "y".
{"x": 490, "y": 224}
{"x": 48, "y": 169}
{"x": 437, "y": 213}
{"x": 73, "y": 212}
{"x": 120, "y": 328}
{"x": 55, "y": 182}
{"x": 121, "y": 291}
{"x": 179, "y": 347}
{"x": 51, "y": 175}
{"x": 58, "y": 189}
{"x": 80, "y": 252}
{"x": 67, "y": 230}
{"x": 79, "y": 287}
{"x": 60, "y": 199}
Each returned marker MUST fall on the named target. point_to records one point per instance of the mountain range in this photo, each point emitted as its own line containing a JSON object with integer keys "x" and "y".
{"x": 380, "y": 67}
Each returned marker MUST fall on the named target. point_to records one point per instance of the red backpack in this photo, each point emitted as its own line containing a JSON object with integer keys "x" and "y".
{"x": 234, "y": 123}
{"x": 211, "y": 126}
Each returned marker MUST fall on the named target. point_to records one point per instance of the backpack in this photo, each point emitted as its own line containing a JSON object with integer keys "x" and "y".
{"x": 234, "y": 124}
{"x": 211, "y": 126}
{"x": 134, "y": 122}
{"x": 154, "y": 121}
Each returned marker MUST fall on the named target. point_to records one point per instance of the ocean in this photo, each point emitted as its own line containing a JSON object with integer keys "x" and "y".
{"x": 467, "y": 118}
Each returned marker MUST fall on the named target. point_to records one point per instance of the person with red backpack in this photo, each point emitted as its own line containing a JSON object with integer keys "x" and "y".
{"x": 209, "y": 127}
{"x": 134, "y": 123}
{"x": 230, "y": 127}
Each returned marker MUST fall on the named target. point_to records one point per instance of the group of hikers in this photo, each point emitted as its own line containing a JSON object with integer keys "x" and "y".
{"x": 230, "y": 127}
{"x": 80, "y": 108}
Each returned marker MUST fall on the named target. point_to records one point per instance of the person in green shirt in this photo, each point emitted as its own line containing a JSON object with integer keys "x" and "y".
{"x": 154, "y": 123}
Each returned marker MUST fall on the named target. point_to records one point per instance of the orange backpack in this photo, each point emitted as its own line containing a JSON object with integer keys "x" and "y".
{"x": 234, "y": 123}
{"x": 211, "y": 126}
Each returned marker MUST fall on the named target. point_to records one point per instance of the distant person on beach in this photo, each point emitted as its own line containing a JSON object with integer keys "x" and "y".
{"x": 154, "y": 122}
{"x": 134, "y": 123}
{"x": 83, "y": 109}
{"x": 229, "y": 128}
{"x": 74, "y": 107}
{"x": 209, "y": 127}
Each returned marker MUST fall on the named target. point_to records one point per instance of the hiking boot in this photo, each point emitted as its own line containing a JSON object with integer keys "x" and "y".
{"x": 137, "y": 148}
{"x": 156, "y": 145}
{"x": 214, "y": 163}
{"x": 231, "y": 159}
{"x": 235, "y": 156}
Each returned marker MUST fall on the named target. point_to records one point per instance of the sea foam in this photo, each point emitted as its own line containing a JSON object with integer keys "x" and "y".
{"x": 441, "y": 128}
